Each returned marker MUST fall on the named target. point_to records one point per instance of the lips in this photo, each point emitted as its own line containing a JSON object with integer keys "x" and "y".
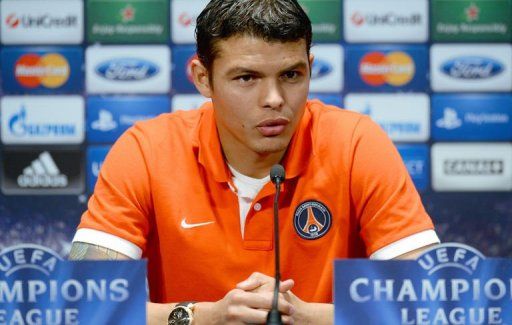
{"x": 272, "y": 127}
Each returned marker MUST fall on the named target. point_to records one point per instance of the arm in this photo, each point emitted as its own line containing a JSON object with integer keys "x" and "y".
{"x": 237, "y": 306}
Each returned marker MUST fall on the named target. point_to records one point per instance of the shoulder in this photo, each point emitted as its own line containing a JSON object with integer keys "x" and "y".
{"x": 179, "y": 126}
{"x": 334, "y": 124}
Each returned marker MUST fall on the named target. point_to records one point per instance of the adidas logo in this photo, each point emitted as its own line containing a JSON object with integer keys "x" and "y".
{"x": 42, "y": 172}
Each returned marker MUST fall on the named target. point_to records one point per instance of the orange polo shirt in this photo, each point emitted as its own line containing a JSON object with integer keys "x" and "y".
{"x": 166, "y": 188}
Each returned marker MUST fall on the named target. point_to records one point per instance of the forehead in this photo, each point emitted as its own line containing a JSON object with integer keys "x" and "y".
{"x": 258, "y": 54}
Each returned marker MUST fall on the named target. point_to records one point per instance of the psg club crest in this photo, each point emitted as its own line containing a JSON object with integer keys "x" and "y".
{"x": 312, "y": 220}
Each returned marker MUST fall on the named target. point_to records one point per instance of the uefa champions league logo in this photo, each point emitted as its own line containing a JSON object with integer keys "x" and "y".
{"x": 449, "y": 284}
{"x": 38, "y": 287}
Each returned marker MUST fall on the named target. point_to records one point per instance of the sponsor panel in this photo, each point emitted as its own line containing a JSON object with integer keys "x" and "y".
{"x": 42, "y": 171}
{"x": 329, "y": 99}
{"x": 187, "y": 102}
{"x": 109, "y": 117}
{"x": 95, "y": 157}
{"x": 128, "y": 69}
{"x": 416, "y": 160}
{"x": 327, "y": 69}
{"x": 472, "y": 117}
{"x": 387, "y": 67}
{"x": 42, "y": 119}
{"x": 41, "y": 22}
{"x": 325, "y": 16}
{"x": 471, "y": 67}
{"x": 404, "y": 117}
{"x": 42, "y": 70}
{"x": 472, "y": 167}
{"x": 134, "y": 21}
{"x": 471, "y": 20}
{"x": 183, "y": 19}
{"x": 403, "y": 21}
{"x": 182, "y": 69}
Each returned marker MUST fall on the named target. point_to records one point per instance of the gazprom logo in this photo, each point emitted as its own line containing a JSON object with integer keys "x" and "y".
{"x": 320, "y": 68}
{"x": 472, "y": 67}
{"x": 127, "y": 69}
{"x": 18, "y": 126}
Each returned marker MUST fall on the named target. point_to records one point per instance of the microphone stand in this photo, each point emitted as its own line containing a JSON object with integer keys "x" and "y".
{"x": 274, "y": 316}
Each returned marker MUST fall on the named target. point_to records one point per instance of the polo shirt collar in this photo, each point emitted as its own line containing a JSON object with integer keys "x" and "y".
{"x": 210, "y": 153}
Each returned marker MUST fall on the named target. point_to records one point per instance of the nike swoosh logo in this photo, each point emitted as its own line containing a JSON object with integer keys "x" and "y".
{"x": 186, "y": 225}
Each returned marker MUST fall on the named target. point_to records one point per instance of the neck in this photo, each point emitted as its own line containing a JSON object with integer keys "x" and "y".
{"x": 250, "y": 163}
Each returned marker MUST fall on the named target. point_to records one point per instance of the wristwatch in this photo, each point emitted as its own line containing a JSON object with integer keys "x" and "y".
{"x": 182, "y": 314}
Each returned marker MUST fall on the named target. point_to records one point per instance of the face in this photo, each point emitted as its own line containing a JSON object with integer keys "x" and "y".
{"x": 259, "y": 91}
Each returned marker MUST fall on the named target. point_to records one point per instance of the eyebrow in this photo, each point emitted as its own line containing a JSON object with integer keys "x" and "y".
{"x": 242, "y": 70}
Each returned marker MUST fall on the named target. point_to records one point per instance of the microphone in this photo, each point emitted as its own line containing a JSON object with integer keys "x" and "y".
{"x": 277, "y": 177}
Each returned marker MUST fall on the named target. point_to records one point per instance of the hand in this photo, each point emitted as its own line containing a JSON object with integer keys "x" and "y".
{"x": 259, "y": 282}
{"x": 250, "y": 302}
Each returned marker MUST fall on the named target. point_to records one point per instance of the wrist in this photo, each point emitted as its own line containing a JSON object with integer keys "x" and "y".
{"x": 204, "y": 313}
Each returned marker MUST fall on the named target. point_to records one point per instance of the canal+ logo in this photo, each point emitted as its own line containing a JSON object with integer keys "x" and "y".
{"x": 394, "y": 68}
{"x": 127, "y": 69}
{"x": 472, "y": 67}
{"x": 450, "y": 256}
{"x": 50, "y": 70}
{"x": 28, "y": 256}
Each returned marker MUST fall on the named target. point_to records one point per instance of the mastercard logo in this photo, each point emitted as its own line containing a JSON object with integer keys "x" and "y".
{"x": 394, "y": 68}
{"x": 50, "y": 70}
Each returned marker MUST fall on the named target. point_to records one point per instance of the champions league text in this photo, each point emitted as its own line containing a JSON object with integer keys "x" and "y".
{"x": 445, "y": 291}
{"x": 57, "y": 294}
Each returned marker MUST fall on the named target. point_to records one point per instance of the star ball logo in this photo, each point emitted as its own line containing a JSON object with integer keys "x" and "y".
{"x": 50, "y": 70}
{"x": 394, "y": 68}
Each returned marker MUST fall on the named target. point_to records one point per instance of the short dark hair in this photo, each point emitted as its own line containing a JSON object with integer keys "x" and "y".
{"x": 271, "y": 20}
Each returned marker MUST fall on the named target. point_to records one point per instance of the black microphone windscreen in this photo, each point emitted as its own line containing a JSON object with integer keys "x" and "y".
{"x": 277, "y": 173}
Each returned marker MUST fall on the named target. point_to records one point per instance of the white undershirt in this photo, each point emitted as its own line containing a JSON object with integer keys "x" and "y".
{"x": 247, "y": 189}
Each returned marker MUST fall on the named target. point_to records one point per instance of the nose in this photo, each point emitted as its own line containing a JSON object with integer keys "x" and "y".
{"x": 272, "y": 95}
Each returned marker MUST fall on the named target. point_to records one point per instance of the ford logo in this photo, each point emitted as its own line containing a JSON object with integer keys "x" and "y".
{"x": 320, "y": 68}
{"x": 127, "y": 69}
{"x": 472, "y": 67}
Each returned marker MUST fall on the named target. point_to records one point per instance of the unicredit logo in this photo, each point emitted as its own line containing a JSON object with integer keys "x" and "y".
{"x": 41, "y": 21}
{"x": 320, "y": 68}
{"x": 472, "y": 67}
{"x": 386, "y": 19}
{"x": 12, "y": 21}
{"x": 127, "y": 69}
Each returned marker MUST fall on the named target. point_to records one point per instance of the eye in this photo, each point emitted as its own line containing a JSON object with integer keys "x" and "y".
{"x": 291, "y": 75}
{"x": 245, "y": 78}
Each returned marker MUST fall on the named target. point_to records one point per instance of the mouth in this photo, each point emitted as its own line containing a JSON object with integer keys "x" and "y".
{"x": 272, "y": 127}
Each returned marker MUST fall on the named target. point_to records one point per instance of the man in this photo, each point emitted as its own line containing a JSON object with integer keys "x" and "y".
{"x": 190, "y": 191}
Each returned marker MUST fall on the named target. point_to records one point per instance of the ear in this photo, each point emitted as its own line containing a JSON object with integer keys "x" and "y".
{"x": 311, "y": 60}
{"x": 201, "y": 80}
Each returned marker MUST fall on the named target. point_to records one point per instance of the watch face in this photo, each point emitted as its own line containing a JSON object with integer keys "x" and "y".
{"x": 180, "y": 316}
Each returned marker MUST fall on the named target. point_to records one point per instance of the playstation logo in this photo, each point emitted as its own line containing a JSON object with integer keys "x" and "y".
{"x": 450, "y": 120}
{"x": 105, "y": 121}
